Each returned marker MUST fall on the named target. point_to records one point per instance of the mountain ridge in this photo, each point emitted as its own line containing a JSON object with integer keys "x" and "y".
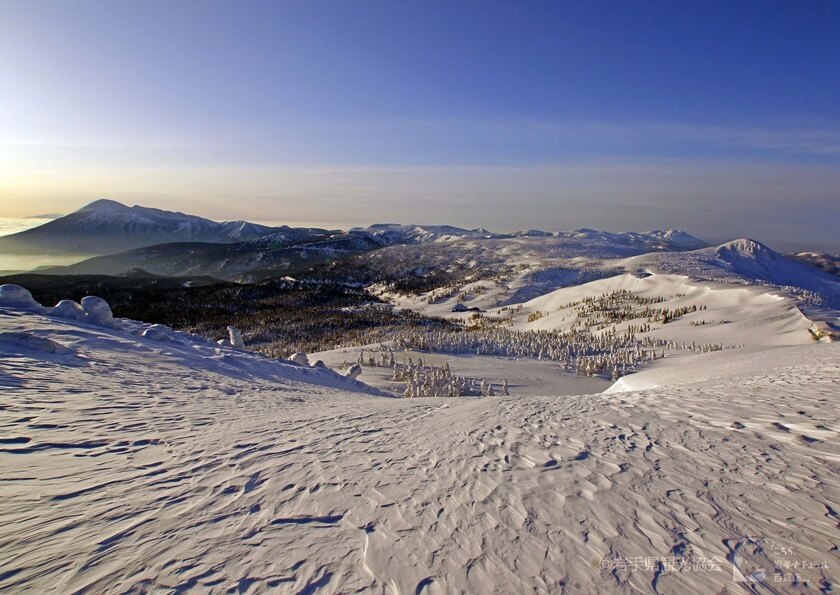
{"x": 106, "y": 226}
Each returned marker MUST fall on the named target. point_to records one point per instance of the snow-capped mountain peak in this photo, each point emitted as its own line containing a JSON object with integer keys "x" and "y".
{"x": 106, "y": 227}
{"x": 677, "y": 237}
{"x": 103, "y": 205}
{"x": 746, "y": 247}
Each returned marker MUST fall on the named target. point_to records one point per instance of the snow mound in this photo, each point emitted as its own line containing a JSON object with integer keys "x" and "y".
{"x": 17, "y": 296}
{"x": 93, "y": 310}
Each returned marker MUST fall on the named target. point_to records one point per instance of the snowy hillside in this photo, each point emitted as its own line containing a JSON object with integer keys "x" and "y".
{"x": 106, "y": 227}
{"x": 276, "y": 254}
{"x": 671, "y": 239}
{"x": 826, "y": 262}
{"x": 140, "y": 460}
{"x": 744, "y": 261}
{"x": 667, "y": 239}
{"x": 392, "y": 233}
{"x": 510, "y": 273}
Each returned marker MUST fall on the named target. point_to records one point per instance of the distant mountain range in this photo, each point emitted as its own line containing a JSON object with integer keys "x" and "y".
{"x": 122, "y": 238}
{"x": 670, "y": 239}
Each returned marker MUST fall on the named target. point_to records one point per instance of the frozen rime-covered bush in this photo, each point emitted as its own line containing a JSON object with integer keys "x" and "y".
{"x": 99, "y": 312}
{"x": 299, "y": 358}
{"x": 158, "y": 332}
{"x": 353, "y": 371}
{"x": 15, "y": 295}
{"x": 235, "y": 337}
{"x": 69, "y": 309}
{"x": 93, "y": 310}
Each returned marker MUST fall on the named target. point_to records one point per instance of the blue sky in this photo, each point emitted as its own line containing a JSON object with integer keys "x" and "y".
{"x": 623, "y": 115}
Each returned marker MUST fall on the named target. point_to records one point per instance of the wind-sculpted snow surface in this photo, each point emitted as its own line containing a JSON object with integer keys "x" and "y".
{"x": 134, "y": 465}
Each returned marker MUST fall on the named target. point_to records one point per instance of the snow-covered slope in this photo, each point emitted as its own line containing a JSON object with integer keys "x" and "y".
{"x": 513, "y": 272}
{"x": 825, "y": 262}
{"x": 132, "y": 464}
{"x": 107, "y": 227}
{"x": 728, "y": 314}
{"x": 86, "y": 335}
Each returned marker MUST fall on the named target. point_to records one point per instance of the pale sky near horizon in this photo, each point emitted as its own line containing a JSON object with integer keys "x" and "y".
{"x": 721, "y": 118}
